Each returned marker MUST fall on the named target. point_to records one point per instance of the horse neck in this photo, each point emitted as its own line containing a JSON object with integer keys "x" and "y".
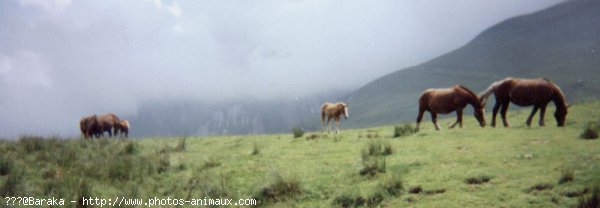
{"x": 472, "y": 99}
{"x": 559, "y": 99}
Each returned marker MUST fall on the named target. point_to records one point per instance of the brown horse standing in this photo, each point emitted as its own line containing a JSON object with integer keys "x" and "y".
{"x": 87, "y": 126}
{"x": 526, "y": 92}
{"x": 333, "y": 110}
{"x": 122, "y": 127}
{"x": 447, "y": 100}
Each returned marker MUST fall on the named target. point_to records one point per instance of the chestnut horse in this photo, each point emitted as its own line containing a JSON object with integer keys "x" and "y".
{"x": 447, "y": 100}
{"x": 526, "y": 92}
{"x": 333, "y": 110}
{"x": 122, "y": 127}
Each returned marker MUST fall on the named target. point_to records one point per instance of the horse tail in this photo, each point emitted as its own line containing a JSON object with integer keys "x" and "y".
{"x": 483, "y": 96}
{"x": 323, "y": 111}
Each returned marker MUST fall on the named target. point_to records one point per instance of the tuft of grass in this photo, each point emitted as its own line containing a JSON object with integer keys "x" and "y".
{"x": 210, "y": 162}
{"x": 577, "y": 193}
{"x": 590, "y": 131}
{"x": 130, "y": 148}
{"x": 477, "y": 179}
{"x": 6, "y": 165}
{"x": 405, "y": 130}
{"x": 255, "y": 149}
{"x": 377, "y": 147}
{"x": 32, "y": 144}
{"x": 181, "y": 145}
{"x": 312, "y": 137}
{"x": 415, "y": 190}
{"x": 374, "y": 157}
{"x": 84, "y": 191}
{"x": 567, "y": 175}
{"x": 297, "y": 132}
{"x": 593, "y": 201}
{"x": 435, "y": 191}
{"x": 279, "y": 190}
{"x": 393, "y": 186}
{"x": 540, "y": 187}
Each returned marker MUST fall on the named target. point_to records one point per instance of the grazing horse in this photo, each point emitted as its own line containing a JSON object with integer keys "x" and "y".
{"x": 526, "y": 92}
{"x": 87, "y": 126}
{"x": 122, "y": 127}
{"x": 333, "y": 110}
{"x": 447, "y": 100}
{"x": 107, "y": 122}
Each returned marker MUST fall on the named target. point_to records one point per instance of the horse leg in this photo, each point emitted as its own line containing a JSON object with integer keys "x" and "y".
{"x": 420, "y": 117}
{"x": 458, "y": 119}
{"x": 533, "y": 111}
{"x": 328, "y": 125}
{"x": 494, "y": 112}
{"x": 503, "y": 113}
{"x": 322, "y": 125}
{"x": 337, "y": 125}
{"x": 434, "y": 120}
{"x": 542, "y": 112}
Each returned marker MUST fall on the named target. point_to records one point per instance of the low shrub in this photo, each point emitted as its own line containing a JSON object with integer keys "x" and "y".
{"x": 478, "y": 179}
{"x": 540, "y": 187}
{"x": 567, "y": 175}
{"x": 415, "y": 190}
{"x": 279, "y": 190}
{"x": 592, "y": 201}
{"x": 590, "y": 130}
{"x": 405, "y": 130}
{"x": 255, "y": 149}
{"x": 393, "y": 187}
{"x": 298, "y": 132}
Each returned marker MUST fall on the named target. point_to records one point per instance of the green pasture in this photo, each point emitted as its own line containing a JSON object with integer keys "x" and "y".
{"x": 522, "y": 166}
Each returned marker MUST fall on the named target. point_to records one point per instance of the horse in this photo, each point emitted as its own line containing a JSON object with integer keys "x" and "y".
{"x": 87, "y": 126}
{"x": 526, "y": 92}
{"x": 107, "y": 122}
{"x": 333, "y": 110}
{"x": 447, "y": 100}
{"x": 122, "y": 127}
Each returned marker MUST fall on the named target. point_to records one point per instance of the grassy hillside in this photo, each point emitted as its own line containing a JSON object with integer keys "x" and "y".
{"x": 561, "y": 43}
{"x": 321, "y": 171}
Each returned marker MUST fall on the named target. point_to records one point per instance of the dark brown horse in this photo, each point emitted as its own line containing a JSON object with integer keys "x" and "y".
{"x": 335, "y": 111}
{"x": 107, "y": 122}
{"x": 526, "y": 92}
{"x": 447, "y": 100}
{"x": 96, "y": 125}
{"x": 87, "y": 124}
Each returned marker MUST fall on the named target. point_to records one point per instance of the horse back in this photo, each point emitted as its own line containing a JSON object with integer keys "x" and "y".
{"x": 529, "y": 92}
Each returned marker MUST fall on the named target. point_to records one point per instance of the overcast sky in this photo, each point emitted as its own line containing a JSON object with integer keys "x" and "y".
{"x": 62, "y": 59}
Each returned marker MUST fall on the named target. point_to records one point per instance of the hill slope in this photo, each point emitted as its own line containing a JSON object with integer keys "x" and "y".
{"x": 561, "y": 43}
{"x": 319, "y": 172}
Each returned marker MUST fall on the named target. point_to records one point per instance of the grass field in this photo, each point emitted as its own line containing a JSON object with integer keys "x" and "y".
{"x": 506, "y": 167}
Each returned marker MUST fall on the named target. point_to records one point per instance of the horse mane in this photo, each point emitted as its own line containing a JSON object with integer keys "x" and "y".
{"x": 472, "y": 94}
{"x": 559, "y": 95}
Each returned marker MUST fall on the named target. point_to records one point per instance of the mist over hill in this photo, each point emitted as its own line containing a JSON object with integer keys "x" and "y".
{"x": 187, "y": 118}
{"x": 561, "y": 43}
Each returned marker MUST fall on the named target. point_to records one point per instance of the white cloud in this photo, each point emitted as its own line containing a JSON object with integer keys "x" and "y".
{"x": 53, "y": 6}
{"x": 25, "y": 68}
{"x": 157, "y": 3}
{"x": 175, "y": 10}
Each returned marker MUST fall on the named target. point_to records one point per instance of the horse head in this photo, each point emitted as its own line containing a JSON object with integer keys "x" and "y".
{"x": 480, "y": 115}
{"x": 560, "y": 115}
{"x": 343, "y": 107}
